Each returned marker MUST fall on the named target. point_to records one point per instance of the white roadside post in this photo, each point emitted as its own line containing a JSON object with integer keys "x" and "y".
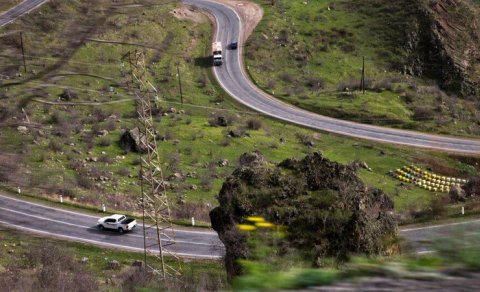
{"x": 463, "y": 210}
{"x": 193, "y": 221}
{"x": 19, "y": 190}
{"x": 103, "y": 208}
{"x": 61, "y": 199}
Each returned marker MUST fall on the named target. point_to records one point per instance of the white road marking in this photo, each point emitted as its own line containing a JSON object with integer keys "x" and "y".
{"x": 48, "y": 207}
{"x": 74, "y": 238}
{"x": 97, "y": 217}
{"x": 87, "y": 227}
{"x": 44, "y": 218}
{"x": 9, "y": 19}
{"x": 439, "y": 226}
{"x": 426, "y": 252}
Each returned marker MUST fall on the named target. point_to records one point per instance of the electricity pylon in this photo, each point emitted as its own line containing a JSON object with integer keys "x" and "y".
{"x": 158, "y": 229}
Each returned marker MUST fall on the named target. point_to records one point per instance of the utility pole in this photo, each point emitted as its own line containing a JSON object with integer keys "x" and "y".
{"x": 158, "y": 232}
{"x": 362, "y": 81}
{"x": 23, "y": 53}
{"x": 180, "y": 85}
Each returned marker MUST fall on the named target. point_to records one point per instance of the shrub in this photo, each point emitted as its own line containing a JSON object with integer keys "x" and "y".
{"x": 75, "y": 164}
{"x": 206, "y": 181}
{"x": 271, "y": 84}
{"x": 57, "y": 270}
{"x": 191, "y": 209}
{"x": 67, "y": 191}
{"x": 472, "y": 188}
{"x": 283, "y": 37}
{"x": 55, "y": 145}
{"x": 410, "y": 97}
{"x": 188, "y": 151}
{"x": 254, "y": 124}
{"x": 58, "y": 118}
{"x": 287, "y": 78}
{"x": 423, "y": 114}
{"x": 438, "y": 206}
{"x": 97, "y": 129}
{"x": 314, "y": 83}
{"x": 9, "y": 165}
{"x": 352, "y": 85}
{"x": 99, "y": 114}
{"x": 225, "y": 142}
{"x": 218, "y": 120}
{"x": 68, "y": 94}
{"x": 304, "y": 139}
{"x": 202, "y": 82}
{"x": 385, "y": 84}
{"x": 111, "y": 126}
{"x": 105, "y": 159}
{"x": 348, "y": 48}
{"x": 63, "y": 130}
{"x": 104, "y": 142}
{"x": 84, "y": 182}
{"x": 123, "y": 171}
{"x": 169, "y": 135}
{"x": 174, "y": 162}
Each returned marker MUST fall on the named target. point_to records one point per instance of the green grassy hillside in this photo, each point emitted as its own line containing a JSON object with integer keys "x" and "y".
{"x": 310, "y": 53}
{"x": 77, "y": 100}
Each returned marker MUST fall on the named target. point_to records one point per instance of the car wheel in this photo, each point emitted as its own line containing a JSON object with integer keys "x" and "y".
{"x": 101, "y": 227}
{"x": 120, "y": 230}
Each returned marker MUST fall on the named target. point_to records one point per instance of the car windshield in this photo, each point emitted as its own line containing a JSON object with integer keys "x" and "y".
{"x": 121, "y": 218}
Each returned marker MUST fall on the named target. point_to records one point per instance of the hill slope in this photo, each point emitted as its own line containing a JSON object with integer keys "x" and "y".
{"x": 310, "y": 54}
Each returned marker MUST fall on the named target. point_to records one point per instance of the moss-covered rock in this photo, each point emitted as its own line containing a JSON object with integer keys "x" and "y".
{"x": 326, "y": 208}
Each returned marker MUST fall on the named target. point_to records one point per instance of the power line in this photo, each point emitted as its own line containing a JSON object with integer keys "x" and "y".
{"x": 154, "y": 200}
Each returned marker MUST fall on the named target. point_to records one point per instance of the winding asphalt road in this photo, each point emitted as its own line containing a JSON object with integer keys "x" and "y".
{"x": 80, "y": 227}
{"x": 48, "y": 221}
{"x": 232, "y": 77}
{"x": 19, "y": 10}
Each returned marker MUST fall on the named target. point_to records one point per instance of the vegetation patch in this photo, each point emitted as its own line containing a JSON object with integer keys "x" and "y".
{"x": 30, "y": 263}
{"x": 62, "y": 121}
{"x": 310, "y": 54}
{"x": 325, "y": 208}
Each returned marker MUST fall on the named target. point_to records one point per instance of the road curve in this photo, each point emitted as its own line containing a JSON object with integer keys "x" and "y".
{"x": 79, "y": 227}
{"x": 19, "y": 10}
{"x": 427, "y": 239}
{"x": 233, "y": 79}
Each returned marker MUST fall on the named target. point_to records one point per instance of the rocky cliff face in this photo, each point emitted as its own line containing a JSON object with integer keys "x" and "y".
{"x": 443, "y": 43}
{"x": 326, "y": 208}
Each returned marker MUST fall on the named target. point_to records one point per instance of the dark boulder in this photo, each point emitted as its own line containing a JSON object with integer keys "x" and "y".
{"x": 130, "y": 141}
{"x": 68, "y": 94}
{"x": 325, "y": 207}
{"x": 472, "y": 187}
{"x": 457, "y": 194}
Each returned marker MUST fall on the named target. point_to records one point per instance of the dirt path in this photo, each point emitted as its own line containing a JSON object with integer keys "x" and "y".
{"x": 187, "y": 13}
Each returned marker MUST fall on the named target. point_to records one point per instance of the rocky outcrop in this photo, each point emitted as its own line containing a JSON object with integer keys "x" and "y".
{"x": 326, "y": 208}
{"x": 472, "y": 187}
{"x": 443, "y": 42}
{"x": 457, "y": 194}
{"x": 130, "y": 141}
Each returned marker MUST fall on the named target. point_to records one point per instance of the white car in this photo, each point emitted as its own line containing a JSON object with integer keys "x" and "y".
{"x": 117, "y": 222}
